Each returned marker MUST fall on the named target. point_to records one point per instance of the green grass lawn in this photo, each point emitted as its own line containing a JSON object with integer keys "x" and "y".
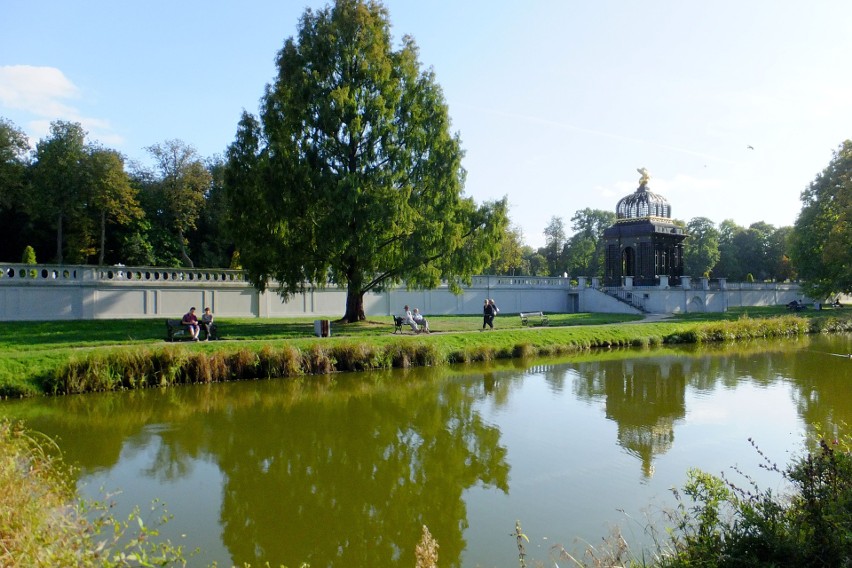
{"x": 31, "y": 352}
{"x": 35, "y": 336}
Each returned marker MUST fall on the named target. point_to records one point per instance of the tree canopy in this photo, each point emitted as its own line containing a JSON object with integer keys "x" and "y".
{"x": 351, "y": 174}
{"x": 701, "y": 249}
{"x": 821, "y": 241}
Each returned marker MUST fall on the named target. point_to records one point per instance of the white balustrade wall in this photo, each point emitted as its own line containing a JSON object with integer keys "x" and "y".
{"x": 53, "y": 292}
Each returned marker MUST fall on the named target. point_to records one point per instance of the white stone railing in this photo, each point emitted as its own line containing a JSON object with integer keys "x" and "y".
{"x": 12, "y": 274}
{"x": 188, "y": 275}
{"x": 525, "y": 281}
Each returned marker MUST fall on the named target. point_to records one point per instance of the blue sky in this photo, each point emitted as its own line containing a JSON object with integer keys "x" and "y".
{"x": 557, "y": 102}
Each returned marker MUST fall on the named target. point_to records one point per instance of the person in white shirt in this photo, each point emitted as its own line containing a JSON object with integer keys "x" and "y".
{"x": 409, "y": 319}
{"x": 420, "y": 320}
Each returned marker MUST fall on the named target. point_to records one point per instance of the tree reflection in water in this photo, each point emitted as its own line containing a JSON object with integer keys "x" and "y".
{"x": 331, "y": 471}
{"x": 344, "y": 470}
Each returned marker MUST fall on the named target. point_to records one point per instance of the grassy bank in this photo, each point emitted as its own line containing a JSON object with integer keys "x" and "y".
{"x": 85, "y": 356}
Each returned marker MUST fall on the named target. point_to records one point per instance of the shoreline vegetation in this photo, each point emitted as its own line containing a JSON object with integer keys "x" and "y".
{"x": 762, "y": 528}
{"x": 58, "y": 358}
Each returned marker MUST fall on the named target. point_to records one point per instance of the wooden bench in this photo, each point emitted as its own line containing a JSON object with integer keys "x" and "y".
{"x": 541, "y": 316}
{"x": 176, "y": 331}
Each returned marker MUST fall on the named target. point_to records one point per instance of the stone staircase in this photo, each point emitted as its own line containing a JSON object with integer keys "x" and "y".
{"x": 628, "y": 297}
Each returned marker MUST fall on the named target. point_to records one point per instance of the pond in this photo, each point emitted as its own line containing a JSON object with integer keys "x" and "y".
{"x": 345, "y": 470}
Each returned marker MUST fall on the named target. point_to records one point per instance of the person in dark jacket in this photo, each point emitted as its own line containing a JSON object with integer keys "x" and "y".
{"x": 488, "y": 314}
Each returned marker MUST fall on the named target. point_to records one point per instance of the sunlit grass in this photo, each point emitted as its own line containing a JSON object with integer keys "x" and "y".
{"x": 84, "y": 356}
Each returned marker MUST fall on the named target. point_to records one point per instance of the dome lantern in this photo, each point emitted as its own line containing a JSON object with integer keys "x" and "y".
{"x": 643, "y": 202}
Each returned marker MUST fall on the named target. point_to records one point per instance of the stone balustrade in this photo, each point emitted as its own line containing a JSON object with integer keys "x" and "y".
{"x": 46, "y": 292}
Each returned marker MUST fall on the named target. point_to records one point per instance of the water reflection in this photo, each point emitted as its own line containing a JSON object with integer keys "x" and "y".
{"x": 338, "y": 472}
{"x": 344, "y": 471}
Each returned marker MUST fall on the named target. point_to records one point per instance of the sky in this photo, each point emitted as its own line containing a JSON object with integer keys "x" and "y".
{"x": 733, "y": 107}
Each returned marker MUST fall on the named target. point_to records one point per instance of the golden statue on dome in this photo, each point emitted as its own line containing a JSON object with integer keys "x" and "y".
{"x": 645, "y": 176}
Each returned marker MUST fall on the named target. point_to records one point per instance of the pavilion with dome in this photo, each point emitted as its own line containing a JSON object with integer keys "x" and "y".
{"x": 644, "y": 243}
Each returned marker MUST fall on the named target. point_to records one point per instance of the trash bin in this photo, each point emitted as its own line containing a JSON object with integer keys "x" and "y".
{"x": 322, "y": 328}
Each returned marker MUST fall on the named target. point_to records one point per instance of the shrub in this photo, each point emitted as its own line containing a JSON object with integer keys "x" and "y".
{"x": 726, "y": 525}
{"x": 523, "y": 350}
{"x": 29, "y": 255}
{"x": 356, "y": 357}
{"x": 286, "y": 361}
{"x": 42, "y": 524}
{"x": 427, "y": 355}
{"x": 243, "y": 365}
{"x": 317, "y": 361}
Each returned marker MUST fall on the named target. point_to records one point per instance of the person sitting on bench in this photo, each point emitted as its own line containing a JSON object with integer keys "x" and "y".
{"x": 420, "y": 320}
{"x": 191, "y": 323}
{"x": 207, "y": 323}
{"x": 409, "y": 319}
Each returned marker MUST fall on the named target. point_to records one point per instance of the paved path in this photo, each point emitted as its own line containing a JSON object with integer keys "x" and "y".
{"x": 653, "y": 318}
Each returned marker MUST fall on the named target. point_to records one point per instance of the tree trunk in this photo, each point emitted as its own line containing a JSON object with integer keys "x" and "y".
{"x": 354, "y": 305}
{"x": 103, "y": 238}
{"x": 59, "y": 239}
{"x": 186, "y": 259}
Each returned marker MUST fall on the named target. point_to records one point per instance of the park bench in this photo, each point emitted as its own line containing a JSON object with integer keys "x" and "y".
{"x": 399, "y": 321}
{"x": 526, "y": 318}
{"x": 176, "y": 331}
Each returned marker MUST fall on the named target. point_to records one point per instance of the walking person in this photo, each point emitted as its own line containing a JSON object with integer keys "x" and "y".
{"x": 487, "y": 315}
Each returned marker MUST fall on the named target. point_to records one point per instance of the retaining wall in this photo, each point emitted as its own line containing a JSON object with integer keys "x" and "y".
{"x": 52, "y": 292}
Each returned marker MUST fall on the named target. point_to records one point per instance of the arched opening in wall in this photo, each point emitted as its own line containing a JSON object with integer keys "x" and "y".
{"x": 696, "y": 305}
{"x": 628, "y": 262}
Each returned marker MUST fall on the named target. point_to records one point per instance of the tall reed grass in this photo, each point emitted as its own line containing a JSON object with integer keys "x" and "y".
{"x": 174, "y": 364}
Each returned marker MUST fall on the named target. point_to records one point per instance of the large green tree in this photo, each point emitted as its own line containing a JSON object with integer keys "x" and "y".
{"x": 60, "y": 191}
{"x": 821, "y": 242}
{"x": 14, "y": 148}
{"x": 729, "y": 265}
{"x": 585, "y": 250}
{"x": 180, "y": 184}
{"x": 352, "y": 174}
{"x": 554, "y": 243}
{"x": 701, "y": 248}
{"x": 113, "y": 198}
{"x": 14, "y": 215}
{"x": 510, "y": 258}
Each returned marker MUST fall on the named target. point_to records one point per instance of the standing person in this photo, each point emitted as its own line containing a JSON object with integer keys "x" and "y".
{"x": 191, "y": 323}
{"x": 487, "y": 315}
{"x": 420, "y": 320}
{"x": 207, "y": 323}
{"x": 494, "y": 309}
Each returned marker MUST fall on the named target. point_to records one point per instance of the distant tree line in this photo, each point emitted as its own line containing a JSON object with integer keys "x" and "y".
{"x": 76, "y": 202}
{"x": 759, "y": 252}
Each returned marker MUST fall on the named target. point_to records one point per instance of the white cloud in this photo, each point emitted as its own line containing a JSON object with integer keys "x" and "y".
{"x": 38, "y": 90}
{"x": 43, "y": 93}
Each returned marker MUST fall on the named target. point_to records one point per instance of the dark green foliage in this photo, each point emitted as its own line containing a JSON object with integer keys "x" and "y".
{"x": 822, "y": 236}
{"x": 701, "y": 247}
{"x": 352, "y": 173}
